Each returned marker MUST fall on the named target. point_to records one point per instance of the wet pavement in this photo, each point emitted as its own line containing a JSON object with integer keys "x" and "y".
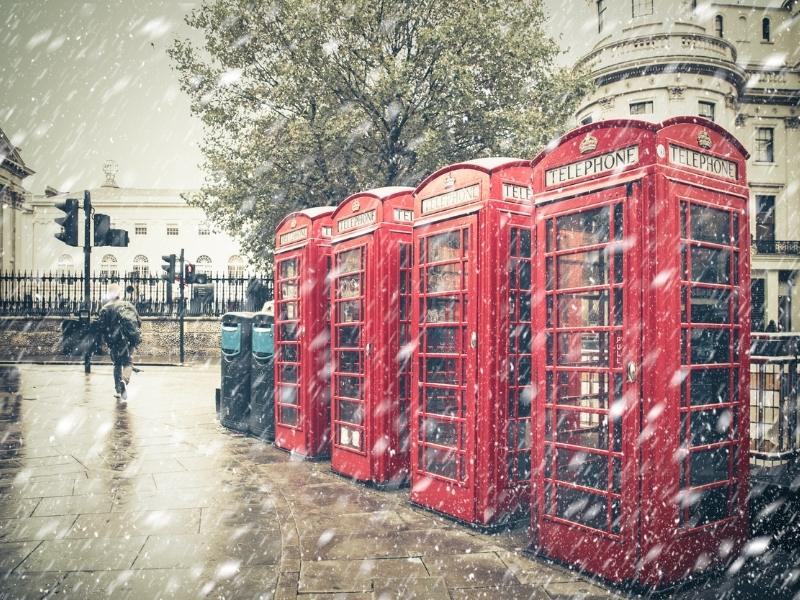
{"x": 155, "y": 500}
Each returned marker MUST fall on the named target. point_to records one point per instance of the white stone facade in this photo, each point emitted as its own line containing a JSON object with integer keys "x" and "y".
{"x": 737, "y": 62}
{"x": 158, "y": 222}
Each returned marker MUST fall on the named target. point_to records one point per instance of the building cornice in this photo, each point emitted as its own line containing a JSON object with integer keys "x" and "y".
{"x": 676, "y": 64}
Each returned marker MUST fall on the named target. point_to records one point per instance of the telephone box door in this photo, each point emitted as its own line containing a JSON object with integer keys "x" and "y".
{"x": 351, "y": 348}
{"x": 443, "y": 427}
{"x": 588, "y": 361}
{"x": 288, "y": 310}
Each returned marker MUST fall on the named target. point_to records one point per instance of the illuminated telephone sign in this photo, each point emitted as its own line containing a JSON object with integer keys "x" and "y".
{"x": 365, "y": 218}
{"x": 302, "y": 332}
{"x": 451, "y": 198}
{"x": 596, "y": 165}
{"x": 642, "y": 263}
{"x": 293, "y": 236}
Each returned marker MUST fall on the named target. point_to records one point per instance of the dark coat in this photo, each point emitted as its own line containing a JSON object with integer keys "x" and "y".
{"x": 120, "y": 327}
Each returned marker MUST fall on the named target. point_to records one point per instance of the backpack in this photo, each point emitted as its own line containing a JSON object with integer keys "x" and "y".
{"x": 120, "y": 325}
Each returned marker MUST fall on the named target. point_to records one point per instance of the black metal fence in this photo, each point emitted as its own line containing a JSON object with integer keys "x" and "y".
{"x": 61, "y": 294}
{"x": 777, "y": 246}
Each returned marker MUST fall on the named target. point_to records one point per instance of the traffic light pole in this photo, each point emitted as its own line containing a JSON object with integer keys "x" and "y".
{"x": 181, "y": 309}
{"x": 87, "y": 265}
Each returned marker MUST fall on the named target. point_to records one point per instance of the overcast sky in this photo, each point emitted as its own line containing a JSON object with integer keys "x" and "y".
{"x": 86, "y": 82}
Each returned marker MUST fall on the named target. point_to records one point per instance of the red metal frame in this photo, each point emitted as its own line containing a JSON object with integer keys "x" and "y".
{"x": 642, "y": 301}
{"x": 470, "y": 400}
{"x": 370, "y": 317}
{"x": 302, "y": 332}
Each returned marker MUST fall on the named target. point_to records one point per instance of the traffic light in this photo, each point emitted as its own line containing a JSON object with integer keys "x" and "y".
{"x": 69, "y": 222}
{"x": 188, "y": 273}
{"x": 102, "y": 225}
{"x": 169, "y": 267}
{"x": 118, "y": 238}
{"x": 104, "y": 235}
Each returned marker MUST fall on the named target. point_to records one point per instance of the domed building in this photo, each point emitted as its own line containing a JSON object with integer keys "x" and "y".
{"x": 738, "y": 64}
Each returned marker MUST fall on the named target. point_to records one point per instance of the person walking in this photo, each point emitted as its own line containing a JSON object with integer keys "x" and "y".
{"x": 120, "y": 327}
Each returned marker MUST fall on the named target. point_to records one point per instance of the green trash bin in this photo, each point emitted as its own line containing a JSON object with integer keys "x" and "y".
{"x": 262, "y": 377}
{"x": 234, "y": 406}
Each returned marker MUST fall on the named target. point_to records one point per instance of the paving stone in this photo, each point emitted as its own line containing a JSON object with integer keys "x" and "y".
{"x": 470, "y": 570}
{"x": 16, "y": 508}
{"x": 13, "y": 553}
{"x": 382, "y": 520}
{"x": 236, "y": 514}
{"x": 334, "y": 545}
{"x": 166, "y": 500}
{"x": 112, "y": 485}
{"x": 422, "y": 542}
{"x": 330, "y": 576}
{"x": 35, "y": 528}
{"x": 98, "y": 554}
{"x": 154, "y": 522}
{"x": 506, "y": 592}
{"x": 535, "y": 572}
{"x": 38, "y": 488}
{"x": 336, "y": 596}
{"x": 74, "y": 505}
{"x": 30, "y": 585}
{"x": 189, "y": 479}
{"x": 247, "y": 548}
{"x": 416, "y": 588}
{"x": 226, "y": 581}
{"x": 286, "y": 588}
{"x": 577, "y": 590}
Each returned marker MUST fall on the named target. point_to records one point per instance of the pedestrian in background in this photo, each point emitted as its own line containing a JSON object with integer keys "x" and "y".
{"x": 120, "y": 328}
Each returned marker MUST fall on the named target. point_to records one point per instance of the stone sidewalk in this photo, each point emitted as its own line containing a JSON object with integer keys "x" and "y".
{"x": 157, "y": 501}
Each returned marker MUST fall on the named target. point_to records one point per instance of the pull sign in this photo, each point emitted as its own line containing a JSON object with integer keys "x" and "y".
{"x": 368, "y": 349}
{"x": 631, "y": 372}
{"x": 473, "y": 340}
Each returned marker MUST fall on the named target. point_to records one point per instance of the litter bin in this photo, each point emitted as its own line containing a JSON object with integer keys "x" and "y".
{"x": 234, "y": 405}
{"x": 262, "y": 377}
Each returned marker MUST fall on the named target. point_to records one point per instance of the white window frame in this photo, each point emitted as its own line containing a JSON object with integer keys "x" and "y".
{"x": 647, "y": 104}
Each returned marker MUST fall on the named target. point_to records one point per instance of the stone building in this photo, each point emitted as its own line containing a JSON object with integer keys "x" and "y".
{"x": 13, "y": 211}
{"x": 737, "y": 63}
{"x": 158, "y": 221}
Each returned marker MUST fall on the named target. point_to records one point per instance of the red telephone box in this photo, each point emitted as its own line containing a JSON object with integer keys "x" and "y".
{"x": 642, "y": 291}
{"x": 302, "y": 332}
{"x": 471, "y": 373}
{"x": 371, "y": 321}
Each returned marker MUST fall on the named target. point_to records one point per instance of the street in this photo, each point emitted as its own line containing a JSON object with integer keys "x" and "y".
{"x": 156, "y": 500}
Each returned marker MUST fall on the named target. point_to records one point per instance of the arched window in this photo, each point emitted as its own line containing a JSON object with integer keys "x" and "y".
{"x": 65, "y": 265}
{"x": 204, "y": 264}
{"x": 765, "y": 33}
{"x": 718, "y": 26}
{"x": 235, "y": 266}
{"x": 141, "y": 266}
{"x": 108, "y": 266}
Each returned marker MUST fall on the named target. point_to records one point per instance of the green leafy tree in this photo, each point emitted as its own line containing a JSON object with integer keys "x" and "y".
{"x": 305, "y": 102}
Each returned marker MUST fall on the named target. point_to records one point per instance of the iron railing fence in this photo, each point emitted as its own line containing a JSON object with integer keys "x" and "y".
{"x": 787, "y": 247}
{"x": 61, "y": 294}
{"x": 774, "y": 424}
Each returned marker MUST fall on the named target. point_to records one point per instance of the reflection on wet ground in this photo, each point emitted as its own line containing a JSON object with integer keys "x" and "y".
{"x": 156, "y": 500}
